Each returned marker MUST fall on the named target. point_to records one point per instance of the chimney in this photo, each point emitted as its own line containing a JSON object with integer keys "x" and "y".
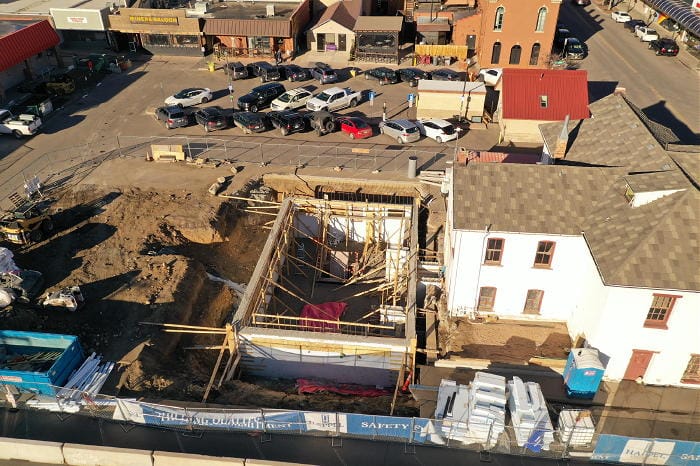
{"x": 562, "y": 141}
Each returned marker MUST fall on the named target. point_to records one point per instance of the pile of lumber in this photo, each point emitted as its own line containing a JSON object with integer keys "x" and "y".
{"x": 87, "y": 380}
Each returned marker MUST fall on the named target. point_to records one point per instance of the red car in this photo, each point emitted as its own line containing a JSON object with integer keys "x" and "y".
{"x": 356, "y": 128}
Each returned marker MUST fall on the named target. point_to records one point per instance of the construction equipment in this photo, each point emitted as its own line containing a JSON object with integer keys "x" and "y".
{"x": 27, "y": 223}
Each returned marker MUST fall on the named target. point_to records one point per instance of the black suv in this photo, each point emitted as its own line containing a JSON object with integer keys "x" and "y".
{"x": 211, "y": 118}
{"x": 324, "y": 73}
{"x": 174, "y": 116}
{"x": 237, "y": 70}
{"x": 265, "y": 71}
{"x": 288, "y": 121}
{"x": 412, "y": 75}
{"x": 251, "y": 122}
{"x": 383, "y": 75}
{"x": 296, "y": 73}
{"x": 260, "y": 97}
{"x": 664, "y": 47}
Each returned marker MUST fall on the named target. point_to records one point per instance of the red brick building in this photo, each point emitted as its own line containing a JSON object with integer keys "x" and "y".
{"x": 516, "y": 33}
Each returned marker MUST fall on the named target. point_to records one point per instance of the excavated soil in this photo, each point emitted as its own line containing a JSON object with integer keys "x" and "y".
{"x": 142, "y": 256}
{"x": 504, "y": 341}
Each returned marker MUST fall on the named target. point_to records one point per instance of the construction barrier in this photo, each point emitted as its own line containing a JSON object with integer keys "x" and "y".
{"x": 90, "y": 455}
{"x": 31, "y": 450}
{"x": 165, "y": 458}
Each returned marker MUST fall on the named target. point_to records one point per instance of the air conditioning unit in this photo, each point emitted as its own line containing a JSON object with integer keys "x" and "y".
{"x": 270, "y": 10}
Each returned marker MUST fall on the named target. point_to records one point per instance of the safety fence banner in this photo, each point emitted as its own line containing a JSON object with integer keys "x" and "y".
{"x": 630, "y": 450}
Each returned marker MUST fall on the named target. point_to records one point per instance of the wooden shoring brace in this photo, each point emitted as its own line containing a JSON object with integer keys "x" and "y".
{"x": 232, "y": 344}
{"x": 261, "y": 212}
{"x": 224, "y": 346}
{"x": 278, "y": 285}
{"x": 398, "y": 383}
{"x": 357, "y": 278}
{"x": 296, "y": 259}
{"x": 239, "y": 198}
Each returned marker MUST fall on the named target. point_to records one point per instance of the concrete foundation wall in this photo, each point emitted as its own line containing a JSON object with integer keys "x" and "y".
{"x": 31, "y": 450}
{"x": 90, "y": 455}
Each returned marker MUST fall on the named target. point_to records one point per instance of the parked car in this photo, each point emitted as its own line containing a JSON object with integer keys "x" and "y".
{"x": 265, "y": 71}
{"x": 355, "y": 127}
{"x": 633, "y": 23}
{"x": 413, "y": 75}
{"x": 287, "y": 121}
{"x": 322, "y": 121}
{"x": 173, "y": 116}
{"x": 292, "y": 99}
{"x": 646, "y": 34}
{"x": 445, "y": 74}
{"x": 403, "y": 131}
{"x": 260, "y": 97}
{"x": 667, "y": 47}
{"x": 383, "y": 75}
{"x": 19, "y": 126}
{"x": 237, "y": 70}
{"x": 560, "y": 37}
{"x": 573, "y": 49}
{"x": 439, "y": 130}
{"x": 251, "y": 122}
{"x": 490, "y": 76}
{"x": 189, "y": 97}
{"x": 296, "y": 73}
{"x": 620, "y": 16}
{"x": 333, "y": 99}
{"x": 211, "y": 118}
{"x": 324, "y": 73}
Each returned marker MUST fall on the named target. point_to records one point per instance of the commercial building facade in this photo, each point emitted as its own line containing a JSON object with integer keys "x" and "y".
{"x": 28, "y": 50}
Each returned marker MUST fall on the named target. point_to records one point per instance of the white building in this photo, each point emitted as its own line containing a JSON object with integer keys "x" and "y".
{"x": 612, "y": 250}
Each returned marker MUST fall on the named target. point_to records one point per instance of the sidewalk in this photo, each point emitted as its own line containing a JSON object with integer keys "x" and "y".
{"x": 620, "y": 408}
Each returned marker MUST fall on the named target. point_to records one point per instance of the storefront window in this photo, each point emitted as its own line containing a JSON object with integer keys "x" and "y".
{"x": 162, "y": 40}
{"x": 259, "y": 45}
{"x": 186, "y": 41}
{"x": 375, "y": 41}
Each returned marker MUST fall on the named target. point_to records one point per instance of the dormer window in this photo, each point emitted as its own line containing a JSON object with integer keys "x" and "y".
{"x": 544, "y": 101}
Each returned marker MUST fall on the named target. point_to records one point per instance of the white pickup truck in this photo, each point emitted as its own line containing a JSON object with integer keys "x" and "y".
{"x": 334, "y": 99}
{"x": 18, "y": 126}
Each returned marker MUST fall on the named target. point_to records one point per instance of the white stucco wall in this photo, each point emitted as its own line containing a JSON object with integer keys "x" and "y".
{"x": 521, "y": 130}
{"x": 516, "y": 274}
{"x": 332, "y": 29}
{"x": 610, "y": 318}
{"x": 621, "y": 329}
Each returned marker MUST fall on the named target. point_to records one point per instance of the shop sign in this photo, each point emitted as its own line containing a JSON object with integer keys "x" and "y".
{"x": 77, "y": 19}
{"x": 137, "y": 19}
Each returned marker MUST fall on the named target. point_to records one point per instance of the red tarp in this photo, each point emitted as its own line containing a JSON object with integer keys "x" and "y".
{"x": 323, "y": 311}
{"x": 311, "y": 386}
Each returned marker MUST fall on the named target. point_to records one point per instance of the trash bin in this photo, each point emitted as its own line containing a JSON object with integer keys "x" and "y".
{"x": 212, "y": 66}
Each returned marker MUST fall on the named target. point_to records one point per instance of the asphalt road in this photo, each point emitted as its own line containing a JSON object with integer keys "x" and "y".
{"x": 41, "y": 425}
{"x": 663, "y": 87}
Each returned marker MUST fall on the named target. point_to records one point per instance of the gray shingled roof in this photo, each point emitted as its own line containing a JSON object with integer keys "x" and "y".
{"x": 656, "y": 245}
{"x": 614, "y": 136}
{"x": 524, "y": 198}
{"x": 659, "y": 181}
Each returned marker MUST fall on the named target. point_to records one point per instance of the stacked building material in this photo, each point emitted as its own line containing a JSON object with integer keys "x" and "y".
{"x": 87, "y": 380}
{"x": 474, "y": 413}
{"x": 576, "y": 427}
{"x": 529, "y": 414}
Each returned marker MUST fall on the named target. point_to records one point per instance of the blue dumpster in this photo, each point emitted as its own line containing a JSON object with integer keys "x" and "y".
{"x": 583, "y": 373}
{"x": 36, "y": 362}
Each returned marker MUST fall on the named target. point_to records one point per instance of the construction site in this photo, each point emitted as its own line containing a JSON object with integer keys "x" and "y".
{"x": 302, "y": 282}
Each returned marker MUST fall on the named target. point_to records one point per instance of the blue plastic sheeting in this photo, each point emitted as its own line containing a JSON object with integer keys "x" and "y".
{"x": 680, "y": 12}
{"x": 630, "y": 450}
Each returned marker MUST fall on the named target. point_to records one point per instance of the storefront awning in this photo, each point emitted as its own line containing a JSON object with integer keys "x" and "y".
{"x": 459, "y": 51}
{"x": 432, "y": 26}
{"x": 680, "y": 12}
{"x": 27, "y": 39}
{"x": 247, "y": 27}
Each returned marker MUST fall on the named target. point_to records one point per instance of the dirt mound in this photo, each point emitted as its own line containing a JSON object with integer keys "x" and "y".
{"x": 142, "y": 256}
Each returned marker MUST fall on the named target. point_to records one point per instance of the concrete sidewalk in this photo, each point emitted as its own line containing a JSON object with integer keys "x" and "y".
{"x": 620, "y": 408}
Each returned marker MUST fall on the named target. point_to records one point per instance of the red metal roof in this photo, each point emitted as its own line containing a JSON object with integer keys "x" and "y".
{"x": 566, "y": 91}
{"x": 29, "y": 38}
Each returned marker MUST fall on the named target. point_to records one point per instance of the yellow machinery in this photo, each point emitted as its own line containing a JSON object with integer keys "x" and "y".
{"x": 27, "y": 223}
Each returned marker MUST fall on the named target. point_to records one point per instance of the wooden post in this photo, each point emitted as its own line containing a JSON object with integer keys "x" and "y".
{"x": 218, "y": 363}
